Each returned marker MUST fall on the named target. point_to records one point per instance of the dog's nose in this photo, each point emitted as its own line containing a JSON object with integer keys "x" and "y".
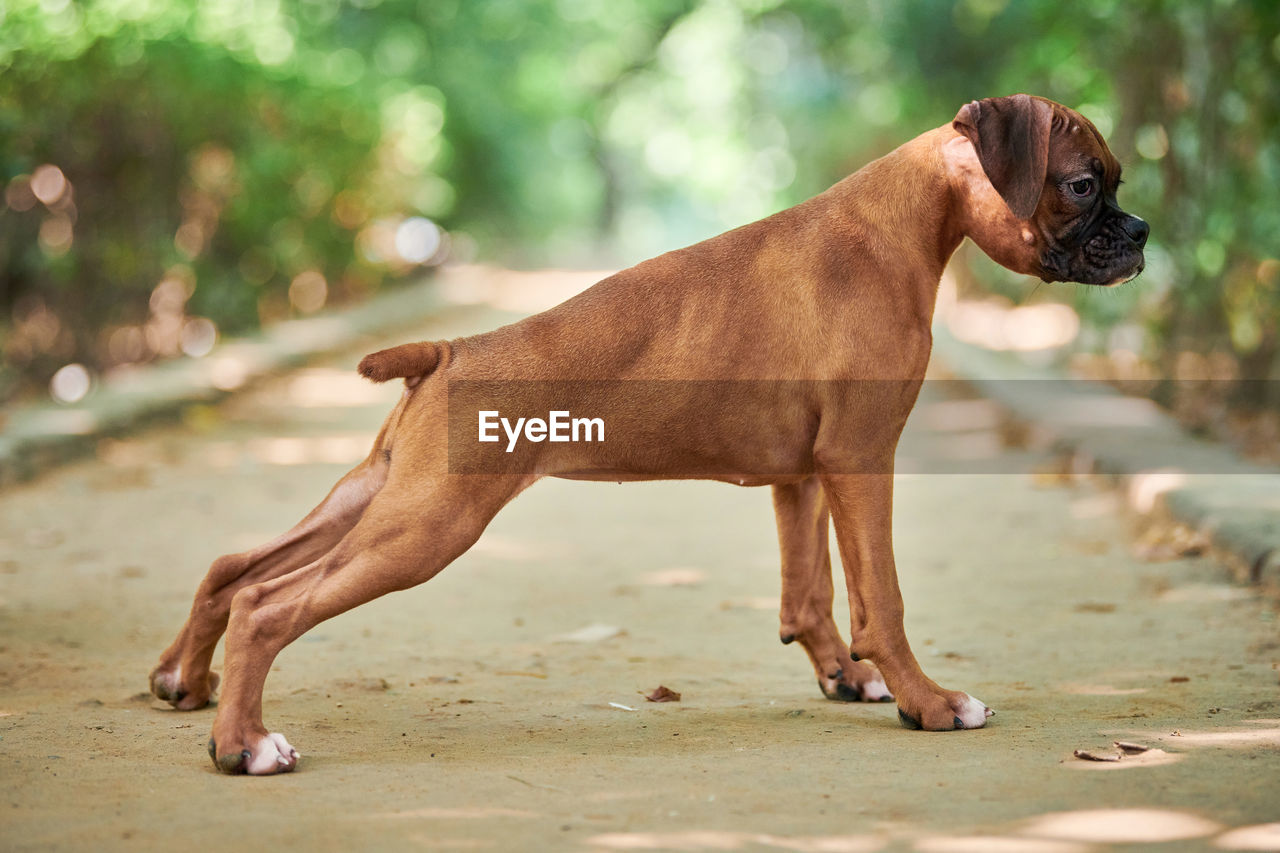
{"x": 1137, "y": 229}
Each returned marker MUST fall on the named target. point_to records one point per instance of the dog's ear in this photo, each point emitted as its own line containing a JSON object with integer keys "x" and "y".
{"x": 1011, "y": 136}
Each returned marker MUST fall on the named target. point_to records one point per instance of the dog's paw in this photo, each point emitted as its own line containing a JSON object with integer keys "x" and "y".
{"x": 856, "y": 681}
{"x": 944, "y": 713}
{"x": 168, "y": 684}
{"x": 268, "y": 755}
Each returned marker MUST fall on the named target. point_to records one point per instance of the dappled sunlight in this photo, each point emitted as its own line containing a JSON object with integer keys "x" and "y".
{"x": 331, "y": 387}
{"x": 327, "y": 449}
{"x": 1146, "y": 487}
{"x": 676, "y": 576}
{"x": 513, "y": 290}
{"x": 695, "y": 840}
{"x": 1121, "y": 826}
{"x": 228, "y": 372}
{"x": 994, "y": 844}
{"x": 1100, "y": 690}
{"x": 752, "y": 602}
{"x": 1231, "y": 738}
{"x": 341, "y": 449}
{"x": 1264, "y": 836}
{"x": 994, "y": 324}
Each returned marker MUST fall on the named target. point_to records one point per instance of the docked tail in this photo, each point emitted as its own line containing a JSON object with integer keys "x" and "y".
{"x": 408, "y": 361}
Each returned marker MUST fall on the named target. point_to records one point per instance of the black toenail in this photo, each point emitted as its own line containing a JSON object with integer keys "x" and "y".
{"x": 179, "y": 695}
{"x": 234, "y": 762}
{"x": 908, "y": 721}
{"x": 213, "y": 750}
{"x": 959, "y": 723}
{"x": 787, "y": 639}
{"x": 854, "y": 656}
{"x": 845, "y": 693}
{"x": 838, "y": 675}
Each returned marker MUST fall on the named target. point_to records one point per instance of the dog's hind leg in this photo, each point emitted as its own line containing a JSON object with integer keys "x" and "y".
{"x": 410, "y": 532}
{"x": 807, "y": 594}
{"x": 182, "y": 677}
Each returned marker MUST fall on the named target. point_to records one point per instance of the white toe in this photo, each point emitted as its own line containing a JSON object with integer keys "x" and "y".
{"x": 875, "y": 690}
{"x": 272, "y": 755}
{"x": 974, "y": 713}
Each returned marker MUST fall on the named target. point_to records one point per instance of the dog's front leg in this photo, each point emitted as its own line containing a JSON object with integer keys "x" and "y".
{"x": 807, "y": 595}
{"x": 862, "y": 508}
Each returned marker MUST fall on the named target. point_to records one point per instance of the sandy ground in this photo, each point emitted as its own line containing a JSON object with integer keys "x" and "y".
{"x": 474, "y": 712}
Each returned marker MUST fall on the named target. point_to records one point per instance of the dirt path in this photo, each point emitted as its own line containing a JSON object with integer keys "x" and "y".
{"x": 465, "y": 715}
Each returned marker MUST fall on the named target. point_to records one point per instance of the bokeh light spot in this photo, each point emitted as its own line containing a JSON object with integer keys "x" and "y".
{"x": 417, "y": 240}
{"x": 56, "y": 235}
{"x": 308, "y": 291}
{"x": 70, "y": 384}
{"x": 18, "y": 194}
{"x": 199, "y": 334}
{"x": 48, "y": 184}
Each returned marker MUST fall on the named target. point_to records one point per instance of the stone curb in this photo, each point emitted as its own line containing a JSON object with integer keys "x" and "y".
{"x": 35, "y": 437}
{"x": 1162, "y": 469}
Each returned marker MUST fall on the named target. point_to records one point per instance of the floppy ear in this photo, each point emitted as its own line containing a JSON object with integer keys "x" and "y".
{"x": 1011, "y": 136}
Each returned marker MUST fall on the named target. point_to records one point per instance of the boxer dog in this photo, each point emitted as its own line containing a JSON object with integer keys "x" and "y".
{"x": 787, "y": 353}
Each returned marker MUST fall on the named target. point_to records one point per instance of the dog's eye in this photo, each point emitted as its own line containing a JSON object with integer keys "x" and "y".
{"x": 1082, "y": 187}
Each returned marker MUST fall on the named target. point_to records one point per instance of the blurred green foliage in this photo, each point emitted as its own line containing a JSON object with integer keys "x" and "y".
{"x": 243, "y": 160}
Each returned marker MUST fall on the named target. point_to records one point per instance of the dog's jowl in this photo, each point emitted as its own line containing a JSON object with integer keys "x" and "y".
{"x": 786, "y": 353}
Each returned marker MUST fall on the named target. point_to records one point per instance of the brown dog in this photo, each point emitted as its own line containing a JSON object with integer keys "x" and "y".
{"x": 788, "y": 352}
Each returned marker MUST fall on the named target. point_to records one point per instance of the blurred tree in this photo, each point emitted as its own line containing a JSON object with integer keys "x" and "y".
{"x": 237, "y": 161}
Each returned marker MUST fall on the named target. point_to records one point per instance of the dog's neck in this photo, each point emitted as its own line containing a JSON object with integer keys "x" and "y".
{"x": 979, "y": 212}
{"x": 912, "y": 234}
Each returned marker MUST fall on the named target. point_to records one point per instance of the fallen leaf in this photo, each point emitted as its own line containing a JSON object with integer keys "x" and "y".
{"x": 1086, "y": 755}
{"x": 1129, "y": 748}
{"x": 663, "y": 694}
{"x": 1127, "y": 761}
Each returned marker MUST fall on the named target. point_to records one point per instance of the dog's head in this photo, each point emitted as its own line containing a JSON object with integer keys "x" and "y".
{"x": 1041, "y": 196}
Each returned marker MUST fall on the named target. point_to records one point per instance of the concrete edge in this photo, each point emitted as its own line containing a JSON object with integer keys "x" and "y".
{"x": 1233, "y": 503}
{"x": 37, "y": 437}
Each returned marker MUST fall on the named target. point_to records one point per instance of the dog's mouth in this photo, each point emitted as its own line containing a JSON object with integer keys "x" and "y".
{"x": 1107, "y": 259}
{"x": 1124, "y": 279}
